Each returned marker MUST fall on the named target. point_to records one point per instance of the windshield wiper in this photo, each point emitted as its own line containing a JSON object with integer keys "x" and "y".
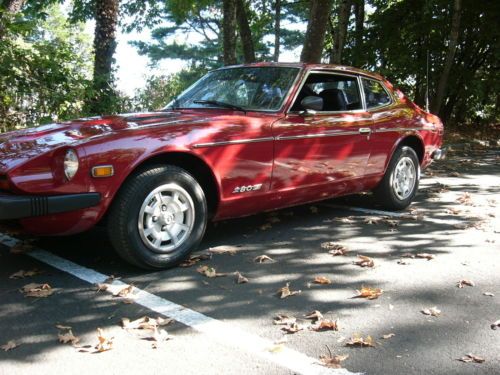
{"x": 221, "y": 104}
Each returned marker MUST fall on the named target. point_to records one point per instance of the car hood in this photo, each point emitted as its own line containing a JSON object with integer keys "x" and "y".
{"x": 19, "y": 146}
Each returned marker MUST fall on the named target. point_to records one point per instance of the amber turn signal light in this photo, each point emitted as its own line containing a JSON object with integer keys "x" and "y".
{"x": 103, "y": 171}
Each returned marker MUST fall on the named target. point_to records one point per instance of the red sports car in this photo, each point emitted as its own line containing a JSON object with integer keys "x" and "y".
{"x": 241, "y": 140}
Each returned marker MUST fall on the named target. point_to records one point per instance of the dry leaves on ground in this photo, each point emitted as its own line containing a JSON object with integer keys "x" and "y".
{"x": 488, "y": 294}
{"x": 432, "y": 311}
{"x": 266, "y": 226}
{"x": 332, "y": 361}
{"x": 334, "y": 248}
{"x": 105, "y": 343}
{"x": 388, "y": 336}
{"x": 224, "y": 249}
{"x": 368, "y": 293}
{"x": 465, "y": 199}
{"x": 193, "y": 259}
{"x": 209, "y": 272}
{"x": 393, "y": 224}
{"x": 263, "y": 259}
{"x": 37, "y": 290}
{"x": 322, "y": 280}
{"x": 22, "y": 247}
{"x": 286, "y": 292}
{"x": 372, "y": 220}
{"x": 471, "y": 358}
{"x": 145, "y": 323}
{"x": 22, "y": 274}
{"x": 495, "y": 325}
{"x": 364, "y": 261}
{"x": 403, "y": 262}
{"x": 293, "y": 328}
{"x": 240, "y": 279}
{"x": 68, "y": 337}
{"x": 453, "y": 211}
{"x": 359, "y": 341}
{"x": 315, "y": 315}
{"x": 325, "y": 325}
{"x": 284, "y": 320}
{"x": 9, "y": 346}
{"x": 159, "y": 337}
{"x": 313, "y": 209}
{"x": 425, "y": 256}
{"x": 126, "y": 292}
{"x": 465, "y": 282}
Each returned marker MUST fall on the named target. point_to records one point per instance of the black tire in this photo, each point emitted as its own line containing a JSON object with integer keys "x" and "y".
{"x": 385, "y": 193}
{"x": 123, "y": 221}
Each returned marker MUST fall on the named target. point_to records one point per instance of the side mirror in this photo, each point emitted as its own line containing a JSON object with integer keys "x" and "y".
{"x": 312, "y": 104}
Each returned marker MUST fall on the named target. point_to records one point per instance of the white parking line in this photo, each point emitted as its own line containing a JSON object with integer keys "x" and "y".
{"x": 217, "y": 330}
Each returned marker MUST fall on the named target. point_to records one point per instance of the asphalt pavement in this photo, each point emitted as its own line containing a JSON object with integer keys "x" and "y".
{"x": 450, "y": 234}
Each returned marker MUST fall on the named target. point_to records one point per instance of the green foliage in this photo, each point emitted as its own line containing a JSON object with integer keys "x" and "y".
{"x": 160, "y": 90}
{"x": 45, "y": 67}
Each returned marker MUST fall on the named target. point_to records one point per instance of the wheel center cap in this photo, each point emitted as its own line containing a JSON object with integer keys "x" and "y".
{"x": 169, "y": 218}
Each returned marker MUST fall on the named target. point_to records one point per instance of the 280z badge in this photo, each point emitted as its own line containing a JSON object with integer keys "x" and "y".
{"x": 247, "y": 188}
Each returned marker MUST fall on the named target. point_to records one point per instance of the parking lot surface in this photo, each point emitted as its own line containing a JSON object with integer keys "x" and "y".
{"x": 449, "y": 237}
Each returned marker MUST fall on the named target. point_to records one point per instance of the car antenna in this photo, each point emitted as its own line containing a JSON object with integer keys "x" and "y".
{"x": 427, "y": 84}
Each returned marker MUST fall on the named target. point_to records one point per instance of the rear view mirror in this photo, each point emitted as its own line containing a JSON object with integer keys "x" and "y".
{"x": 312, "y": 103}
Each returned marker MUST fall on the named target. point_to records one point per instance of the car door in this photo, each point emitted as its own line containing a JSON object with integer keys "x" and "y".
{"x": 320, "y": 151}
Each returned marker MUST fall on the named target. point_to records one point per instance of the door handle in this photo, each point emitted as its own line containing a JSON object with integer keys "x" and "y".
{"x": 365, "y": 130}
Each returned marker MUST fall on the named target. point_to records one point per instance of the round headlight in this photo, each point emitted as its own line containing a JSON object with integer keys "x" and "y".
{"x": 70, "y": 164}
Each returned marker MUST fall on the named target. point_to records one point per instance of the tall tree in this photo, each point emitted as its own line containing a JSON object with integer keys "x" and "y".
{"x": 340, "y": 33}
{"x": 9, "y": 7}
{"x": 359, "y": 14}
{"x": 245, "y": 31}
{"x": 106, "y": 24}
{"x": 229, "y": 31}
{"x": 316, "y": 30}
{"x": 450, "y": 55}
{"x": 277, "y": 29}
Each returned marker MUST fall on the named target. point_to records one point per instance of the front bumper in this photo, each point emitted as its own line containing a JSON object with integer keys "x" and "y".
{"x": 24, "y": 206}
{"x": 439, "y": 154}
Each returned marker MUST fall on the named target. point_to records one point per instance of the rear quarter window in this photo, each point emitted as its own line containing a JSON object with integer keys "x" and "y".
{"x": 375, "y": 94}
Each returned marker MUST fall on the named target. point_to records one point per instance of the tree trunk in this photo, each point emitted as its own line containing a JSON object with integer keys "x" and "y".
{"x": 245, "y": 32}
{"x": 452, "y": 47}
{"x": 359, "y": 13}
{"x": 341, "y": 32}
{"x": 277, "y": 29}
{"x": 106, "y": 23}
{"x": 9, "y": 7}
{"x": 316, "y": 30}
{"x": 229, "y": 31}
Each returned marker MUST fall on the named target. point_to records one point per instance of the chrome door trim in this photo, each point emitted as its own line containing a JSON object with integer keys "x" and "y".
{"x": 319, "y": 135}
{"x": 233, "y": 142}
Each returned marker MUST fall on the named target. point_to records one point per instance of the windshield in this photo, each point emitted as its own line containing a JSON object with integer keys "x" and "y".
{"x": 247, "y": 88}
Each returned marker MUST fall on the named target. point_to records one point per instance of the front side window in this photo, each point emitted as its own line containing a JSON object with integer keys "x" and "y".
{"x": 248, "y": 88}
{"x": 375, "y": 94}
{"x": 339, "y": 92}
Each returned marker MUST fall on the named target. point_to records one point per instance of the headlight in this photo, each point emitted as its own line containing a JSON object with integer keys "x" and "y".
{"x": 70, "y": 164}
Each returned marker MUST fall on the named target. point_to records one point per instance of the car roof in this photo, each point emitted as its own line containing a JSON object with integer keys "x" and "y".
{"x": 307, "y": 66}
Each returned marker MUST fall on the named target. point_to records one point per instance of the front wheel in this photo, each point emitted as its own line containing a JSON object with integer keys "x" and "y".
{"x": 158, "y": 217}
{"x": 400, "y": 183}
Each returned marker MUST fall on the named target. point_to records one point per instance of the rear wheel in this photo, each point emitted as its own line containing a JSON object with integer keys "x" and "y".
{"x": 158, "y": 217}
{"x": 400, "y": 183}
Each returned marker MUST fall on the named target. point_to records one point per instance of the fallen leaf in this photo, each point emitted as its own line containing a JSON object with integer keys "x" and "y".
{"x": 454, "y": 174}
{"x": 425, "y": 256}
{"x": 403, "y": 262}
{"x": 284, "y": 320}
{"x": 495, "y": 325}
{"x": 101, "y": 287}
{"x": 68, "y": 338}
{"x": 471, "y": 358}
{"x": 9, "y": 346}
{"x": 314, "y": 315}
{"x": 22, "y": 247}
{"x": 391, "y": 223}
{"x": 388, "y": 336}
{"x": 145, "y": 323}
{"x": 240, "y": 279}
{"x": 335, "y": 248}
{"x": 465, "y": 199}
{"x": 332, "y": 361}
{"x": 61, "y": 327}
{"x": 209, "y": 272}
{"x": 293, "y": 328}
{"x": 105, "y": 343}
{"x": 361, "y": 342}
{"x": 372, "y": 220}
{"x": 314, "y": 209}
{"x": 22, "y": 274}
{"x": 266, "y": 226}
{"x": 325, "y": 325}
{"x": 488, "y": 294}
{"x": 322, "y": 280}
{"x": 408, "y": 255}
{"x": 263, "y": 259}
{"x": 465, "y": 282}
{"x": 193, "y": 259}
{"x": 273, "y": 219}
{"x": 125, "y": 292}
{"x": 286, "y": 292}
{"x": 37, "y": 290}
{"x": 223, "y": 249}
{"x": 111, "y": 279}
{"x": 364, "y": 261}
{"x": 453, "y": 211}
{"x": 433, "y": 311}
{"x": 159, "y": 337}
{"x": 368, "y": 293}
